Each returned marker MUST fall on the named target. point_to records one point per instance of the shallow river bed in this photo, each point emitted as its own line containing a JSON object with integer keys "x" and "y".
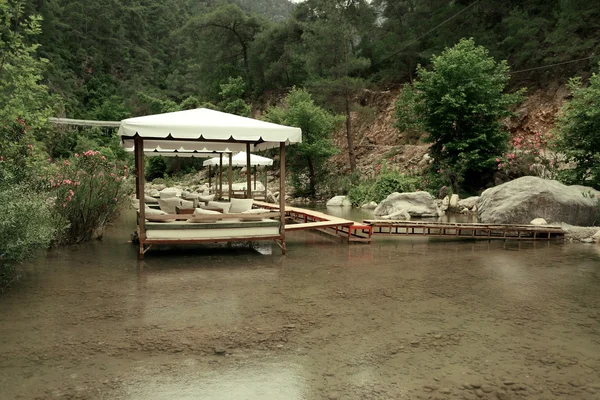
{"x": 401, "y": 318}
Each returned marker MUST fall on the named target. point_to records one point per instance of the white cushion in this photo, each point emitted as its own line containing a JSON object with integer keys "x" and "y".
{"x": 200, "y": 211}
{"x": 206, "y": 198}
{"x": 153, "y": 211}
{"x": 185, "y": 204}
{"x": 167, "y": 195}
{"x": 240, "y": 205}
{"x": 256, "y": 211}
{"x": 220, "y": 204}
{"x": 169, "y": 204}
{"x": 150, "y": 200}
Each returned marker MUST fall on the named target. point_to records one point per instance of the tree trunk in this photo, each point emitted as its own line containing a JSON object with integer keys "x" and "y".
{"x": 351, "y": 154}
{"x": 312, "y": 178}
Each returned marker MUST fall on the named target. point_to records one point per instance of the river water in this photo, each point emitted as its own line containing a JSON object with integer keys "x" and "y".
{"x": 402, "y": 318}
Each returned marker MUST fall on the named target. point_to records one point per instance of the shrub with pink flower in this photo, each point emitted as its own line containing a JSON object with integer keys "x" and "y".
{"x": 528, "y": 155}
{"x": 85, "y": 197}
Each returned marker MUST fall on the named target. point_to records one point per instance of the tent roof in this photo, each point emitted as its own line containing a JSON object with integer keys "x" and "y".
{"x": 183, "y": 154}
{"x": 183, "y": 146}
{"x": 204, "y": 125}
{"x": 239, "y": 160}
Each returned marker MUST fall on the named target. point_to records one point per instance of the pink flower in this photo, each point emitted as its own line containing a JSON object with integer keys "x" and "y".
{"x": 67, "y": 162}
{"x": 103, "y": 158}
{"x": 115, "y": 199}
{"x": 497, "y": 160}
{"x": 76, "y": 155}
{"x": 64, "y": 205}
{"x": 71, "y": 193}
{"x": 68, "y": 198}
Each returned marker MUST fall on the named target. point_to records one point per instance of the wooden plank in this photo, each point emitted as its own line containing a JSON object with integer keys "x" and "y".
{"x": 209, "y": 217}
{"x": 209, "y": 225}
{"x": 315, "y": 225}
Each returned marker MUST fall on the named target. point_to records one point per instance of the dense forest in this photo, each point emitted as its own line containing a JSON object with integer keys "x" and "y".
{"x": 112, "y": 58}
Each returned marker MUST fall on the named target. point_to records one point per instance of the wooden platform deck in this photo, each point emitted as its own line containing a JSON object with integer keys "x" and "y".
{"x": 466, "y": 230}
{"x": 309, "y": 219}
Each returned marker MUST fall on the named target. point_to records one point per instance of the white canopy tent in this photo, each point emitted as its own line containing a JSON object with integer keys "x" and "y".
{"x": 203, "y": 130}
{"x": 240, "y": 159}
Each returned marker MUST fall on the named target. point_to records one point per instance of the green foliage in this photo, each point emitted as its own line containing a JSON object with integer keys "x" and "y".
{"x": 386, "y": 182}
{"x": 26, "y": 227}
{"x": 306, "y": 160}
{"x": 89, "y": 192}
{"x": 578, "y": 128}
{"x": 460, "y": 103}
{"x": 156, "y": 168}
{"x": 232, "y": 97}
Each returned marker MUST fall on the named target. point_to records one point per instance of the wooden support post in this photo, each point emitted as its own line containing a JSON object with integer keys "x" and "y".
{"x": 248, "y": 173}
{"x": 209, "y": 179}
{"x": 255, "y": 168}
{"x": 139, "y": 155}
{"x": 220, "y": 175}
{"x": 266, "y": 171}
{"x": 137, "y": 171}
{"x": 230, "y": 177}
{"x": 282, "y": 194}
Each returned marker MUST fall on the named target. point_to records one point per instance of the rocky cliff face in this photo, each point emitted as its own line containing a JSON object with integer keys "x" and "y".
{"x": 377, "y": 140}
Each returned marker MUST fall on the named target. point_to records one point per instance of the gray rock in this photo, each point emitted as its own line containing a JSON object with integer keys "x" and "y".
{"x": 454, "y": 201}
{"x": 369, "y": 206}
{"x": 338, "y": 201}
{"x": 539, "y": 221}
{"x": 521, "y": 200}
{"x": 417, "y": 204}
{"x": 401, "y": 215}
{"x": 469, "y": 202}
{"x": 596, "y": 237}
{"x": 154, "y": 193}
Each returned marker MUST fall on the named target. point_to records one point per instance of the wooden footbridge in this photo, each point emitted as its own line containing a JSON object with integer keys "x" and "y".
{"x": 304, "y": 219}
{"x": 352, "y": 231}
{"x": 466, "y": 230}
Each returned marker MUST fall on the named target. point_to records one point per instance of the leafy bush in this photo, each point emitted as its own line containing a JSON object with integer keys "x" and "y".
{"x": 528, "y": 156}
{"x": 89, "y": 192}
{"x": 306, "y": 160}
{"x": 578, "y": 130}
{"x": 156, "y": 168}
{"x": 27, "y": 226}
{"x": 460, "y": 103}
{"x": 386, "y": 183}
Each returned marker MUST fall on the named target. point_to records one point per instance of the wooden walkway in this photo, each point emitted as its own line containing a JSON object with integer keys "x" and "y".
{"x": 466, "y": 230}
{"x": 309, "y": 219}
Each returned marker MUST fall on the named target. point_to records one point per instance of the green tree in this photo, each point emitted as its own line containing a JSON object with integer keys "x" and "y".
{"x": 232, "y": 97}
{"x": 26, "y": 225}
{"x": 578, "y": 128}
{"x": 460, "y": 103}
{"x": 307, "y": 158}
{"x": 331, "y": 36}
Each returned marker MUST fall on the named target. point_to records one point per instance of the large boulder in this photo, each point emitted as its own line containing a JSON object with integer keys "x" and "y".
{"x": 417, "y": 204}
{"x": 468, "y": 203}
{"x": 338, "y": 201}
{"x": 524, "y": 199}
{"x": 401, "y": 215}
{"x": 369, "y": 206}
